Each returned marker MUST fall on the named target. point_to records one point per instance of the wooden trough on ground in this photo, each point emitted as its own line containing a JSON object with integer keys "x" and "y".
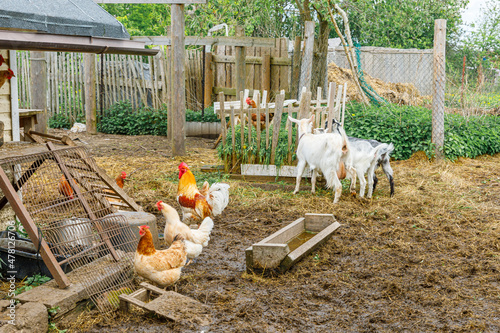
{"x": 287, "y": 246}
{"x": 167, "y": 304}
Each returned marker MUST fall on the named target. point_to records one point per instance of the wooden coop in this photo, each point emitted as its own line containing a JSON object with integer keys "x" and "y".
{"x": 267, "y": 147}
{"x": 63, "y": 201}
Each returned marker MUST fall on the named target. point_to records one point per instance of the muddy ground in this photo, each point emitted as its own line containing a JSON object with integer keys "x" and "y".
{"x": 425, "y": 260}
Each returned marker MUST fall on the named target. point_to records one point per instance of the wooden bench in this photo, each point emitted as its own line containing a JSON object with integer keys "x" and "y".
{"x": 27, "y": 120}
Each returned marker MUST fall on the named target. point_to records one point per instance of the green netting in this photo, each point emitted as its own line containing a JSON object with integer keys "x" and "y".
{"x": 367, "y": 88}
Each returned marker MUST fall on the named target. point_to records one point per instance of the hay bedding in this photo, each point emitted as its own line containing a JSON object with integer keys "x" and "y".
{"x": 425, "y": 260}
{"x": 397, "y": 93}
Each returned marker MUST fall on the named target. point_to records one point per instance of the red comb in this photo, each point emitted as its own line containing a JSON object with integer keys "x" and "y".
{"x": 183, "y": 165}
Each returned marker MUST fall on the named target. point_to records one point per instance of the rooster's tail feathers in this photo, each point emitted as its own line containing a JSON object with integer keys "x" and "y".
{"x": 218, "y": 197}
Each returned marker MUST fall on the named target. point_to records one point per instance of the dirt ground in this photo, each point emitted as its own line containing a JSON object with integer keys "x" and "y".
{"x": 425, "y": 260}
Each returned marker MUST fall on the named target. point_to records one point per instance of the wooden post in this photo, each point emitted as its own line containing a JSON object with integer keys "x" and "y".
{"x": 439, "y": 87}
{"x": 209, "y": 79}
{"x": 266, "y": 73}
{"x": 178, "y": 119}
{"x": 240, "y": 65}
{"x": 307, "y": 59}
{"x": 90, "y": 92}
{"x": 297, "y": 53}
{"x": 38, "y": 76}
{"x": 30, "y": 227}
{"x": 278, "y": 110}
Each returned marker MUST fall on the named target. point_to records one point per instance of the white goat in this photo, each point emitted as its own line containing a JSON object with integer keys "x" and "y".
{"x": 323, "y": 152}
{"x": 367, "y": 155}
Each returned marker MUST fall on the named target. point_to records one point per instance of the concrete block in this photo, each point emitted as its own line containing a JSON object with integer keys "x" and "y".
{"x": 135, "y": 220}
{"x": 31, "y": 317}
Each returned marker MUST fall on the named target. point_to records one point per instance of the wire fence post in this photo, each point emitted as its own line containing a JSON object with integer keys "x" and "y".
{"x": 439, "y": 83}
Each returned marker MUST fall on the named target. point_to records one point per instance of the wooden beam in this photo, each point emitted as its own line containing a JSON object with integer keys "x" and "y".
{"x": 178, "y": 81}
{"x": 296, "y": 59}
{"x": 209, "y": 79}
{"x": 38, "y": 75}
{"x": 90, "y": 92}
{"x": 239, "y": 60}
{"x": 14, "y": 99}
{"x": 32, "y": 230}
{"x": 220, "y": 40}
{"x": 439, "y": 87}
{"x": 253, "y": 60}
{"x": 266, "y": 74}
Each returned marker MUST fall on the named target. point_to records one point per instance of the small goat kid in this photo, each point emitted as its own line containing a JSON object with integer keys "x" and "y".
{"x": 323, "y": 152}
{"x": 367, "y": 155}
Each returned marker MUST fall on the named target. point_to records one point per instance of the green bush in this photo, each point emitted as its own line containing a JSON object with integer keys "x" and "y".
{"x": 122, "y": 118}
{"x": 409, "y": 128}
{"x": 60, "y": 121}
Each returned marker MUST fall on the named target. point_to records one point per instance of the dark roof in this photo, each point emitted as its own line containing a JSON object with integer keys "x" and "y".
{"x": 60, "y": 17}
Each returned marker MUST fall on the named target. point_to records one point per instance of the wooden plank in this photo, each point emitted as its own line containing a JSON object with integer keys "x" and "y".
{"x": 32, "y": 230}
{"x": 233, "y": 134}
{"x": 304, "y": 106}
{"x": 306, "y": 248}
{"x": 275, "y": 61}
{"x": 266, "y": 73}
{"x": 286, "y": 233}
{"x": 178, "y": 81}
{"x": 307, "y": 59}
{"x": 90, "y": 93}
{"x": 331, "y": 102}
{"x": 277, "y": 123}
{"x": 222, "y": 119}
{"x": 269, "y": 256}
{"x": 239, "y": 60}
{"x": 318, "y": 222}
{"x": 275, "y": 73}
{"x": 242, "y": 119}
{"x": 209, "y": 79}
{"x": 258, "y": 129}
{"x": 438, "y": 96}
{"x": 267, "y": 125}
{"x": 214, "y": 41}
{"x": 39, "y": 88}
{"x": 284, "y": 71}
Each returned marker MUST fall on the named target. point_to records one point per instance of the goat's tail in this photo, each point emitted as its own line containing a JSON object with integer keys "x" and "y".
{"x": 383, "y": 150}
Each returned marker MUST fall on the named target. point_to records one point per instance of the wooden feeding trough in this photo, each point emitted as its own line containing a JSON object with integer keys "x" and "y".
{"x": 287, "y": 246}
{"x": 167, "y": 304}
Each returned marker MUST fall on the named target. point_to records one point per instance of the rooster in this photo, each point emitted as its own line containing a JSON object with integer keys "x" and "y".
{"x": 120, "y": 179}
{"x": 2, "y": 60}
{"x": 197, "y": 205}
{"x": 252, "y": 103}
{"x": 196, "y": 239}
{"x": 160, "y": 266}
{"x": 6, "y": 75}
{"x": 65, "y": 189}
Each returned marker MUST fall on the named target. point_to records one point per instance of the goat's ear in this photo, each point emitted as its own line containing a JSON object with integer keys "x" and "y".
{"x": 292, "y": 120}
{"x": 312, "y": 118}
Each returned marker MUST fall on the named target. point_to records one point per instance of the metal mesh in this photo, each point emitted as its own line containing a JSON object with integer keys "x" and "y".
{"x": 77, "y": 221}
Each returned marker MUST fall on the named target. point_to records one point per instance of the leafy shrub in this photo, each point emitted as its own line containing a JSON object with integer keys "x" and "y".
{"x": 122, "y": 118}
{"x": 60, "y": 121}
{"x": 409, "y": 128}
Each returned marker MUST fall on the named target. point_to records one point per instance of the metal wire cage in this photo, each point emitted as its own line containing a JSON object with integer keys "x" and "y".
{"x": 64, "y": 194}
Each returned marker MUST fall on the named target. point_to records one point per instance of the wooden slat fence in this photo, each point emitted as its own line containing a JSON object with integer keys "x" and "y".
{"x": 278, "y": 78}
{"x": 144, "y": 81}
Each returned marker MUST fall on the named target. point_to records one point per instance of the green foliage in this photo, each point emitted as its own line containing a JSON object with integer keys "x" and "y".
{"x": 264, "y": 18}
{"x": 32, "y": 281}
{"x": 122, "y": 118}
{"x": 401, "y": 24}
{"x": 244, "y": 151}
{"x": 60, "y": 120}
{"x": 409, "y": 128}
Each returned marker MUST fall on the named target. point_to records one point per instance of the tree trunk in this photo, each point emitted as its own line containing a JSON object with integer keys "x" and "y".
{"x": 320, "y": 59}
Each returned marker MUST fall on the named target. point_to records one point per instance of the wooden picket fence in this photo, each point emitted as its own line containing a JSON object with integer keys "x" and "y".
{"x": 239, "y": 114}
{"x": 144, "y": 81}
